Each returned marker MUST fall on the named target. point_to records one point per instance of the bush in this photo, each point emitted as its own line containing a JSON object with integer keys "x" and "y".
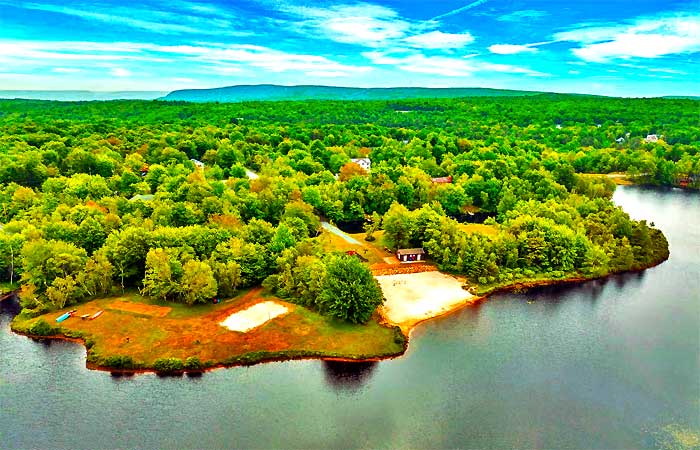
{"x": 119, "y": 362}
{"x": 168, "y": 365}
{"x": 399, "y": 337}
{"x": 42, "y": 328}
{"x": 193, "y": 363}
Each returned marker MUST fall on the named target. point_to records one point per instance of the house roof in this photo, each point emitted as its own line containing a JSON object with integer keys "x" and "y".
{"x": 142, "y": 197}
{"x": 410, "y": 251}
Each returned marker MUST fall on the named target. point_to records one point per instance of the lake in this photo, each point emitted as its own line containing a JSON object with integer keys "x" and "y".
{"x": 606, "y": 364}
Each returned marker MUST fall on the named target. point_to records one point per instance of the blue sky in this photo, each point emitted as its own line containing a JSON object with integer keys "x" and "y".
{"x": 613, "y": 47}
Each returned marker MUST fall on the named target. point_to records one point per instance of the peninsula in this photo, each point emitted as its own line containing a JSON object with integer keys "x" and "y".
{"x": 185, "y": 236}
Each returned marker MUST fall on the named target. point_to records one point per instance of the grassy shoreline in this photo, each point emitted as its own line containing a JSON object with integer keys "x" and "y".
{"x": 174, "y": 338}
{"x": 317, "y": 343}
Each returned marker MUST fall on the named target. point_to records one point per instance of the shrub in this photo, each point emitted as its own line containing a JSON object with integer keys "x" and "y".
{"x": 193, "y": 363}
{"x": 399, "y": 337}
{"x": 42, "y": 328}
{"x": 119, "y": 362}
{"x": 168, "y": 365}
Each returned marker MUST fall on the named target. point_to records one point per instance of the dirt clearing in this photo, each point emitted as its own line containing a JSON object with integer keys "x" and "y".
{"x": 414, "y": 297}
{"x": 140, "y": 308}
{"x": 254, "y": 316}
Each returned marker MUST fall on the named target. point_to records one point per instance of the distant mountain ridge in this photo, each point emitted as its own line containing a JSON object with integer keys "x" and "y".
{"x": 272, "y": 92}
{"x": 76, "y": 95}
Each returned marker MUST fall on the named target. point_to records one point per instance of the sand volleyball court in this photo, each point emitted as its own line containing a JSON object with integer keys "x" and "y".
{"x": 414, "y": 297}
{"x": 254, "y": 316}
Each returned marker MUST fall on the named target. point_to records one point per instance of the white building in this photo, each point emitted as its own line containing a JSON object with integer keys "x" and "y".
{"x": 365, "y": 163}
{"x": 197, "y": 163}
{"x": 651, "y": 138}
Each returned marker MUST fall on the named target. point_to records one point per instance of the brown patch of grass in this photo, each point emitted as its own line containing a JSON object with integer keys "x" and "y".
{"x": 139, "y": 308}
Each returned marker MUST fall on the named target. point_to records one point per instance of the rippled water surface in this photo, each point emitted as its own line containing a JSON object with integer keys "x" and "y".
{"x": 607, "y": 364}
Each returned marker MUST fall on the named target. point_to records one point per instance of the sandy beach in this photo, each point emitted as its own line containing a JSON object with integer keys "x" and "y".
{"x": 254, "y": 316}
{"x": 414, "y": 297}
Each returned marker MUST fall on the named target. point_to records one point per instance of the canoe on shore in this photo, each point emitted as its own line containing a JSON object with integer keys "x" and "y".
{"x": 63, "y": 317}
{"x": 96, "y": 315}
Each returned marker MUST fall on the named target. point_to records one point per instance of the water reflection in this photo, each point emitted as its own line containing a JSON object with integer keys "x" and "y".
{"x": 348, "y": 376}
{"x": 592, "y": 290}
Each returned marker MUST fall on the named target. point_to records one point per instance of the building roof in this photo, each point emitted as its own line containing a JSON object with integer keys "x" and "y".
{"x": 442, "y": 179}
{"x": 410, "y": 251}
{"x": 142, "y": 197}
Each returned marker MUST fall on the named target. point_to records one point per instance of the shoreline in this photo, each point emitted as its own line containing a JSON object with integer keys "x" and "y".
{"x": 273, "y": 357}
{"x": 295, "y": 355}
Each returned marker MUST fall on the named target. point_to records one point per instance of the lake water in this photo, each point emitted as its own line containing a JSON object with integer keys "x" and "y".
{"x": 607, "y": 364}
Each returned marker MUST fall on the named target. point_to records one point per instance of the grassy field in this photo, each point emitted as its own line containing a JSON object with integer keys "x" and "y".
{"x": 489, "y": 230}
{"x": 334, "y": 243}
{"x": 146, "y": 330}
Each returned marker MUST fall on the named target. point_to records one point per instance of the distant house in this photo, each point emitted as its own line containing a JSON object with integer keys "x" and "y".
{"x": 407, "y": 255}
{"x": 651, "y": 138}
{"x": 442, "y": 180}
{"x": 620, "y": 140}
{"x": 197, "y": 163}
{"x": 558, "y": 126}
{"x": 365, "y": 163}
{"x": 142, "y": 197}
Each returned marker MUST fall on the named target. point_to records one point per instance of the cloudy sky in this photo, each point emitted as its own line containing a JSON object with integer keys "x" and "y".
{"x": 609, "y": 47}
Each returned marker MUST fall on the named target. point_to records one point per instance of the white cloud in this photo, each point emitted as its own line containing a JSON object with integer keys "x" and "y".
{"x": 511, "y": 69}
{"x": 66, "y": 70}
{"x": 663, "y": 70}
{"x": 226, "y": 58}
{"x": 120, "y": 72}
{"x": 518, "y": 16}
{"x": 460, "y": 10}
{"x": 152, "y": 20}
{"x": 445, "y": 66}
{"x": 369, "y": 25}
{"x": 419, "y": 63}
{"x": 574, "y": 72}
{"x": 439, "y": 40}
{"x": 645, "y": 38}
{"x": 511, "y": 49}
{"x": 362, "y": 23}
{"x": 327, "y": 73}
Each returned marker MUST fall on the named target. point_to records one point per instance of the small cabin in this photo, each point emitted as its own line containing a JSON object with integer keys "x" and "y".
{"x": 197, "y": 163}
{"x": 620, "y": 140}
{"x": 442, "y": 180}
{"x": 651, "y": 138}
{"x": 407, "y": 255}
{"x": 365, "y": 163}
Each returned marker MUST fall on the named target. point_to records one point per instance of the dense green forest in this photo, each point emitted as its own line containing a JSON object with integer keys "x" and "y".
{"x": 103, "y": 196}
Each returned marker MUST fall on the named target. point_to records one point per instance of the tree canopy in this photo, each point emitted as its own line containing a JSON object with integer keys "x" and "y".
{"x": 97, "y": 196}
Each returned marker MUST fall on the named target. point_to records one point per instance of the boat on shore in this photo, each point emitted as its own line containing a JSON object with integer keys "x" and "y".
{"x": 65, "y": 316}
{"x": 96, "y": 315}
